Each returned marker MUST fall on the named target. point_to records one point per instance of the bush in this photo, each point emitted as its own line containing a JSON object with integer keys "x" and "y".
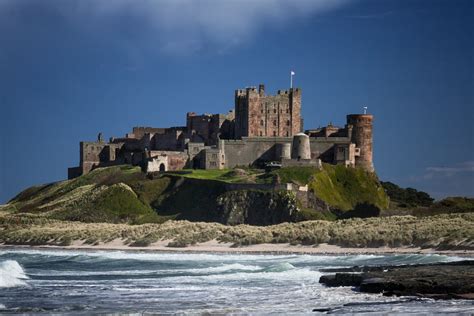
{"x": 408, "y": 197}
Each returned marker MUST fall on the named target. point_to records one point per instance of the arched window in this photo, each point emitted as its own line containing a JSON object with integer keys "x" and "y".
{"x": 274, "y": 133}
{"x": 274, "y": 110}
{"x": 274, "y": 123}
{"x": 261, "y": 122}
{"x": 288, "y": 123}
{"x": 261, "y": 133}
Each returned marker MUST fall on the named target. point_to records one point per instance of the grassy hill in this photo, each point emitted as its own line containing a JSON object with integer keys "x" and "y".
{"x": 123, "y": 194}
{"x": 98, "y": 207}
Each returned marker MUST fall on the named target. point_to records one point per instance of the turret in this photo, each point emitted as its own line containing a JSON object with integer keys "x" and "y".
{"x": 300, "y": 149}
{"x": 362, "y": 137}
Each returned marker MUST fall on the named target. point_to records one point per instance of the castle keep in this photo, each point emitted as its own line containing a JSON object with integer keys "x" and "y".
{"x": 262, "y": 128}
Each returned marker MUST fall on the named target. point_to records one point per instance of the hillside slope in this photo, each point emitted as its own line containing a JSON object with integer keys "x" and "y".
{"x": 123, "y": 194}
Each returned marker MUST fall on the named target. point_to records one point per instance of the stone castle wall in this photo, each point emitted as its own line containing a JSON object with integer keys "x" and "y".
{"x": 247, "y": 151}
{"x": 362, "y": 138}
{"x": 260, "y": 129}
{"x": 260, "y": 115}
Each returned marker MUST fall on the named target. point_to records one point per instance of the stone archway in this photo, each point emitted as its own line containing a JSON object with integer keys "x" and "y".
{"x": 162, "y": 167}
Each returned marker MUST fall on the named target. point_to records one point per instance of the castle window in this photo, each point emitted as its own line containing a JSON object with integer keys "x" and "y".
{"x": 261, "y": 122}
{"x": 287, "y": 111}
{"x": 274, "y": 123}
{"x": 287, "y": 133}
{"x": 274, "y": 133}
{"x": 260, "y": 133}
{"x": 274, "y": 110}
{"x": 288, "y": 123}
{"x": 261, "y": 111}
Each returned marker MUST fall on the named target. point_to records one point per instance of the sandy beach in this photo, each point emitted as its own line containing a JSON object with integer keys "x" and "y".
{"x": 214, "y": 246}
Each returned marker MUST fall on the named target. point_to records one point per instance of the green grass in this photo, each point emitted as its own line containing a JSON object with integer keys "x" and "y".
{"x": 116, "y": 204}
{"x": 345, "y": 188}
{"x": 201, "y": 174}
{"x": 103, "y": 195}
{"x": 224, "y": 175}
{"x": 151, "y": 191}
{"x": 298, "y": 175}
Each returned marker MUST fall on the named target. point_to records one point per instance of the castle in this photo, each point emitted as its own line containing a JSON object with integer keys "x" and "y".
{"x": 262, "y": 128}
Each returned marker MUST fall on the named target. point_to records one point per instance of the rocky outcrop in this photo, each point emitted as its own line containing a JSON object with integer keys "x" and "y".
{"x": 439, "y": 281}
{"x": 256, "y": 207}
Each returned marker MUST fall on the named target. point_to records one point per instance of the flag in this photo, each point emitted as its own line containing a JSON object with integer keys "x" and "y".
{"x": 292, "y": 73}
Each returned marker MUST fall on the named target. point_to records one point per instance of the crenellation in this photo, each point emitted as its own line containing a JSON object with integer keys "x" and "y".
{"x": 261, "y": 128}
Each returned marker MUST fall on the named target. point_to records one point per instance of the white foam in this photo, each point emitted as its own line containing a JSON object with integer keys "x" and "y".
{"x": 11, "y": 274}
{"x": 224, "y": 268}
{"x": 149, "y": 256}
{"x": 290, "y": 275}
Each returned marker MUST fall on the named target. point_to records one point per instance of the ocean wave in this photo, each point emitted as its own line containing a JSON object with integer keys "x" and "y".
{"x": 277, "y": 273}
{"x": 146, "y": 263}
{"x": 11, "y": 274}
{"x": 87, "y": 255}
{"x": 224, "y": 268}
{"x": 280, "y": 267}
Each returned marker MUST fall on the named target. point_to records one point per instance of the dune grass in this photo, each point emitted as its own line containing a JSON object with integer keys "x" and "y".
{"x": 447, "y": 231}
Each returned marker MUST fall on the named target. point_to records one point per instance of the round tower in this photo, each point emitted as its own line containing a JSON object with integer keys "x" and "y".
{"x": 300, "y": 148}
{"x": 362, "y": 137}
{"x": 284, "y": 151}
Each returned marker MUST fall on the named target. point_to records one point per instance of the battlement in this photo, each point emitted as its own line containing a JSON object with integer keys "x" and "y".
{"x": 359, "y": 118}
{"x": 261, "y": 91}
{"x": 260, "y": 128}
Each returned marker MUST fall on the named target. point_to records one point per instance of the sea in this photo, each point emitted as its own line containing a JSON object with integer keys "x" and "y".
{"x": 35, "y": 281}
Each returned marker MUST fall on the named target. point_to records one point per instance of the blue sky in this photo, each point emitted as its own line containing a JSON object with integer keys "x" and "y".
{"x": 70, "y": 69}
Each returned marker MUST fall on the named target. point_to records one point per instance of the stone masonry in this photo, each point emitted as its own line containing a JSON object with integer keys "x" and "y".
{"x": 262, "y": 128}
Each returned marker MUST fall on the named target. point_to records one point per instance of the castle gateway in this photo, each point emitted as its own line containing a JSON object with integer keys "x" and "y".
{"x": 261, "y": 128}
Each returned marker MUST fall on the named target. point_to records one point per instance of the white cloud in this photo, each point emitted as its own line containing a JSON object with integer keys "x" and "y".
{"x": 444, "y": 172}
{"x": 188, "y": 24}
{"x": 466, "y": 166}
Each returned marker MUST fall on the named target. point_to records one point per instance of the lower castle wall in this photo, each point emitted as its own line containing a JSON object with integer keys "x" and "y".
{"x": 322, "y": 148}
{"x": 248, "y": 150}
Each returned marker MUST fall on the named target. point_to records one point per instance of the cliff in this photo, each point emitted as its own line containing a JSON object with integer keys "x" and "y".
{"x": 123, "y": 194}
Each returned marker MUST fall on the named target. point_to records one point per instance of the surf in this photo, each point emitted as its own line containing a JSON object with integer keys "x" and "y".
{"x": 11, "y": 274}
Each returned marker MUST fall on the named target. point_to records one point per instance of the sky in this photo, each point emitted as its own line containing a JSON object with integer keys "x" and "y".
{"x": 70, "y": 69}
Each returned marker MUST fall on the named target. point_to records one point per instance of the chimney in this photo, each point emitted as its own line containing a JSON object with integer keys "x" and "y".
{"x": 261, "y": 89}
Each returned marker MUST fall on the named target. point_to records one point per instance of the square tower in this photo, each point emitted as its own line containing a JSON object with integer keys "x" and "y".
{"x": 261, "y": 115}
